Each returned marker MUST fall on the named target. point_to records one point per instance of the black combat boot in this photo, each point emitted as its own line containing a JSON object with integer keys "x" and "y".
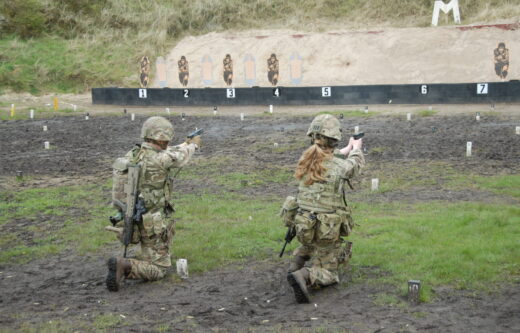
{"x": 298, "y": 281}
{"x": 297, "y": 263}
{"x": 117, "y": 270}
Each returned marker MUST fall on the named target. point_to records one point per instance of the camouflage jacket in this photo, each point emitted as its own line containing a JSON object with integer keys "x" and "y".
{"x": 157, "y": 171}
{"x": 326, "y": 196}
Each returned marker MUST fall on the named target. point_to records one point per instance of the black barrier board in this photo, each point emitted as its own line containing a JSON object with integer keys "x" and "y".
{"x": 470, "y": 93}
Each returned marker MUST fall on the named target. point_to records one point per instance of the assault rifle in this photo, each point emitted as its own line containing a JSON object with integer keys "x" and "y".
{"x": 358, "y": 136}
{"x": 133, "y": 208}
{"x": 289, "y": 235}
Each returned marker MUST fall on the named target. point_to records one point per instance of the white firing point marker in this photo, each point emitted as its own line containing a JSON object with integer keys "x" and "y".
{"x": 517, "y": 130}
{"x": 468, "y": 148}
{"x": 45, "y": 128}
{"x": 242, "y": 116}
{"x": 74, "y": 107}
{"x": 214, "y": 112}
{"x": 409, "y": 116}
{"x": 47, "y": 145}
{"x": 375, "y": 184}
{"x": 133, "y": 116}
{"x": 86, "y": 117}
{"x": 168, "y": 110}
{"x": 477, "y": 116}
{"x": 31, "y": 114}
{"x": 271, "y": 108}
{"x": 356, "y": 129}
{"x": 276, "y": 144}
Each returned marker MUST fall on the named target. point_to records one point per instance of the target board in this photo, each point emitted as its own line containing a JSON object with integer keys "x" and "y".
{"x": 249, "y": 70}
{"x": 160, "y": 72}
{"x": 207, "y": 70}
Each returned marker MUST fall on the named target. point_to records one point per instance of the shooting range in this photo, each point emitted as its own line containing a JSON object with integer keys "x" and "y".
{"x": 429, "y": 221}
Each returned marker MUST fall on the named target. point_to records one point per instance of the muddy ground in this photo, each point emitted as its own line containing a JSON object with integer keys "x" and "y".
{"x": 253, "y": 297}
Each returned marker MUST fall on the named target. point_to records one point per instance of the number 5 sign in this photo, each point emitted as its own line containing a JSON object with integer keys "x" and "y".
{"x": 326, "y": 92}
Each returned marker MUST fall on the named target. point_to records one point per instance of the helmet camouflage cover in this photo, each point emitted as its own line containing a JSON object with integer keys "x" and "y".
{"x": 326, "y": 125}
{"x": 157, "y": 128}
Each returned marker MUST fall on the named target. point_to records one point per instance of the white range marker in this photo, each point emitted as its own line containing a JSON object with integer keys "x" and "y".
{"x": 375, "y": 184}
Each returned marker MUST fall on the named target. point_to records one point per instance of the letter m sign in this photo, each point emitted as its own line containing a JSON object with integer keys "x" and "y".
{"x": 440, "y": 5}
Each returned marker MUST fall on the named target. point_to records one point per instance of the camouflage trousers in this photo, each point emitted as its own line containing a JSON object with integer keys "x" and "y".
{"x": 320, "y": 236}
{"x": 325, "y": 261}
{"x": 156, "y": 236}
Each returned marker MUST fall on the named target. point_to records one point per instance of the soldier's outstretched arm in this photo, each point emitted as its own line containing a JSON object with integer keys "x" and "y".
{"x": 354, "y": 162}
{"x": 181, "y": 154}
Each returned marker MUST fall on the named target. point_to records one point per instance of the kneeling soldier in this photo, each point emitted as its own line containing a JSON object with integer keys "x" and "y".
{"x": 155, "y": 227}
{"x": 320, "y": 214}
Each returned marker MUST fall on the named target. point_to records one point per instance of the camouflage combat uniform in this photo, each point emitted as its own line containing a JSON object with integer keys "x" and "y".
{"x": 158, "y": 227}
{"x": 155, "y": 230}
{"x": 322, "y": 219}
{"x": 320, "y": 215}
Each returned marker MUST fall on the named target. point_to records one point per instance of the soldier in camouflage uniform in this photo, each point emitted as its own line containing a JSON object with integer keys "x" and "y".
{"x": 158, "y": 163}
{"x": 320, "y": 213}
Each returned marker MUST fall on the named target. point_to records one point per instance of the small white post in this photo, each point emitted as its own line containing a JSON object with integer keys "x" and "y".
{"x": 477, "y": 116}
{"x": 366, "y": 109}
{"x": 356, "y": 129}
{"x": 168, "y": 110}
{"x": 271, "y": 109}
{"x": 86, "y": 117}
{"x": 133, "y": 116}
{"x": 375, "y": 184}
{"x": 409, "y": 116}
{"x": 468, "y": 148}
{"x": 517, "y": 130}
{"x": 242, "y": 117}
{"x": 276, "y": 144}
{"x": 214, "y": 112}
{"x": 31, "y": 114}
{"x": 182, "y": 268}
{"x": 74, "y": 107}
{"x": 45, "y": 128}
{"x": 47, "y": 145}
{"x": 430, "y": 108}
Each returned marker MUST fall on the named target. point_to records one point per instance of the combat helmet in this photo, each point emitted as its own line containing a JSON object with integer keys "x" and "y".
{"x": 326, "y": 125}
{"x": 157, "y": 128}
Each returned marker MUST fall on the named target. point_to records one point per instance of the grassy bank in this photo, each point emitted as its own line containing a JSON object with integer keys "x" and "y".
{"x": 69, "y": 46}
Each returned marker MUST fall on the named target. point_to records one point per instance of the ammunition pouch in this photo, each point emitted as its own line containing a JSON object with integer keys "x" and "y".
{"x": 289, "y": 210}
{"x": 345, "y": 253}
{"x": 329, "y": 226}
{"x": 347, "y": 223}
